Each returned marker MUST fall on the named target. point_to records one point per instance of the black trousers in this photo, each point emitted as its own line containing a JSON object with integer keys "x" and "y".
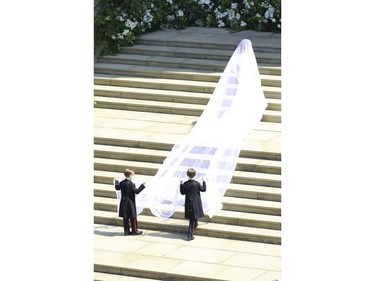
{"x": 133, "y": 225}
{"x": 193, "y": 223}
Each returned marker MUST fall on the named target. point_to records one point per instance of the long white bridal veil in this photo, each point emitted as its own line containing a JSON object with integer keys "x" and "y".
{"x": 213, "y": 145}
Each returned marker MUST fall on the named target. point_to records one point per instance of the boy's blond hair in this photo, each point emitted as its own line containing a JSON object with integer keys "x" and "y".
{"x": 128, "y": 173}
{"x": 191, "y": 173}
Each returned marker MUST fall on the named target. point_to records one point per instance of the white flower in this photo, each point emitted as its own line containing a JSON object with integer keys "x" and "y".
{"x": 279, "y": 26}
{"x": 221, "y": 23}
{"x": 243, "y": 23}
{"x": 247, "y": 5}
{"x": 269, "y": 12}
{"x": 125, "y": 32}
{"x": 180, "y": 13}
{"x": 234, "y": 6}
{"x": 147, "y": 18}
{"x": 219, "y": 15}
{"x": 130, "y": 24}
{"x": 238, "y": 16}
{"x": 170, "y": 1}
{"x": 273, "y": 20}
{"x": 170, "y": 18}
{"x": 113, "y": 37}
{"x": 202, "y": 2}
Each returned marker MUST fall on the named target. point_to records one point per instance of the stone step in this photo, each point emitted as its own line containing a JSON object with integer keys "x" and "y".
{"x": 211, "y": 42}
{"x": 151, "y": 94}
{"x": 162, "y": 131}
{"x": 153, "y": 58}
{"x": 193, "y": 53}
{"x": 209, "y": 229}
{"x": 103, "y": 187}
{"x": 257, "y": 220}
{"x": 254, "y": 192}
{"x": 103, "y": 115}
{"x": 149, "y": 106}
{"x": 158, "y": 156}
{"x": 142, "y": 70}
{"x": 100, "y": 276}
{"x": 170, "y": 84}
{"x": 178, "y": 52}
{"x": 158, "y": 255}
{"x": 158, "y": 141}
{"x": 164, "y": 95}
{"x": 200, "y": 54}
{"x": 240, "y": 177}
{"x": 163, "y": 141}
{"x": 124, "y": 66}
{"x": 234, "y": 218}
{"x": 235, "y": 211}
{"x": 166, "y": 107}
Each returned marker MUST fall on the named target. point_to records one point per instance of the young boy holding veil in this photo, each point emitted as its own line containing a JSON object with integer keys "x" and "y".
{"x": 127, "y": 209}
{"x": 193, "y": 202}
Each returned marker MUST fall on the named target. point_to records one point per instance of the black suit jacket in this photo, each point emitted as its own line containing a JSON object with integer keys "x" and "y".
{"x": 193, "y": 202}
{"x": 128, "y": 191}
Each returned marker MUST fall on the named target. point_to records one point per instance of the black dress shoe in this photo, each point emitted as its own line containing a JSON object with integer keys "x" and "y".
{"x": 190, "y": 238}
{"x": 126, "y": 233}
{"x": 138, "y": 233}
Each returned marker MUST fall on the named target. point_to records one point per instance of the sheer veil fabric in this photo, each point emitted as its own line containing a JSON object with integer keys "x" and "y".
{"x": 213, "y": 145}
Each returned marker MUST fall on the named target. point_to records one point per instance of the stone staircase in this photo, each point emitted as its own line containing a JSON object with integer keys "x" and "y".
{"x": 147, "y": 98}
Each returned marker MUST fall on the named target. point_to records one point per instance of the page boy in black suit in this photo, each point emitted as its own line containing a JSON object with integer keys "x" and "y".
{"x": 193, "y": 203}
{"x": 128, "y": 210}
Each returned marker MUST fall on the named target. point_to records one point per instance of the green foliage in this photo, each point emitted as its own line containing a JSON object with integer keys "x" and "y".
{"x": 109, "y": 31}
{"x": 118, "y": 22}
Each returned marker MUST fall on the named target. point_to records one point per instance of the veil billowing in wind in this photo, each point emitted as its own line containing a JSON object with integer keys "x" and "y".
{"x": 213, "y": 145}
